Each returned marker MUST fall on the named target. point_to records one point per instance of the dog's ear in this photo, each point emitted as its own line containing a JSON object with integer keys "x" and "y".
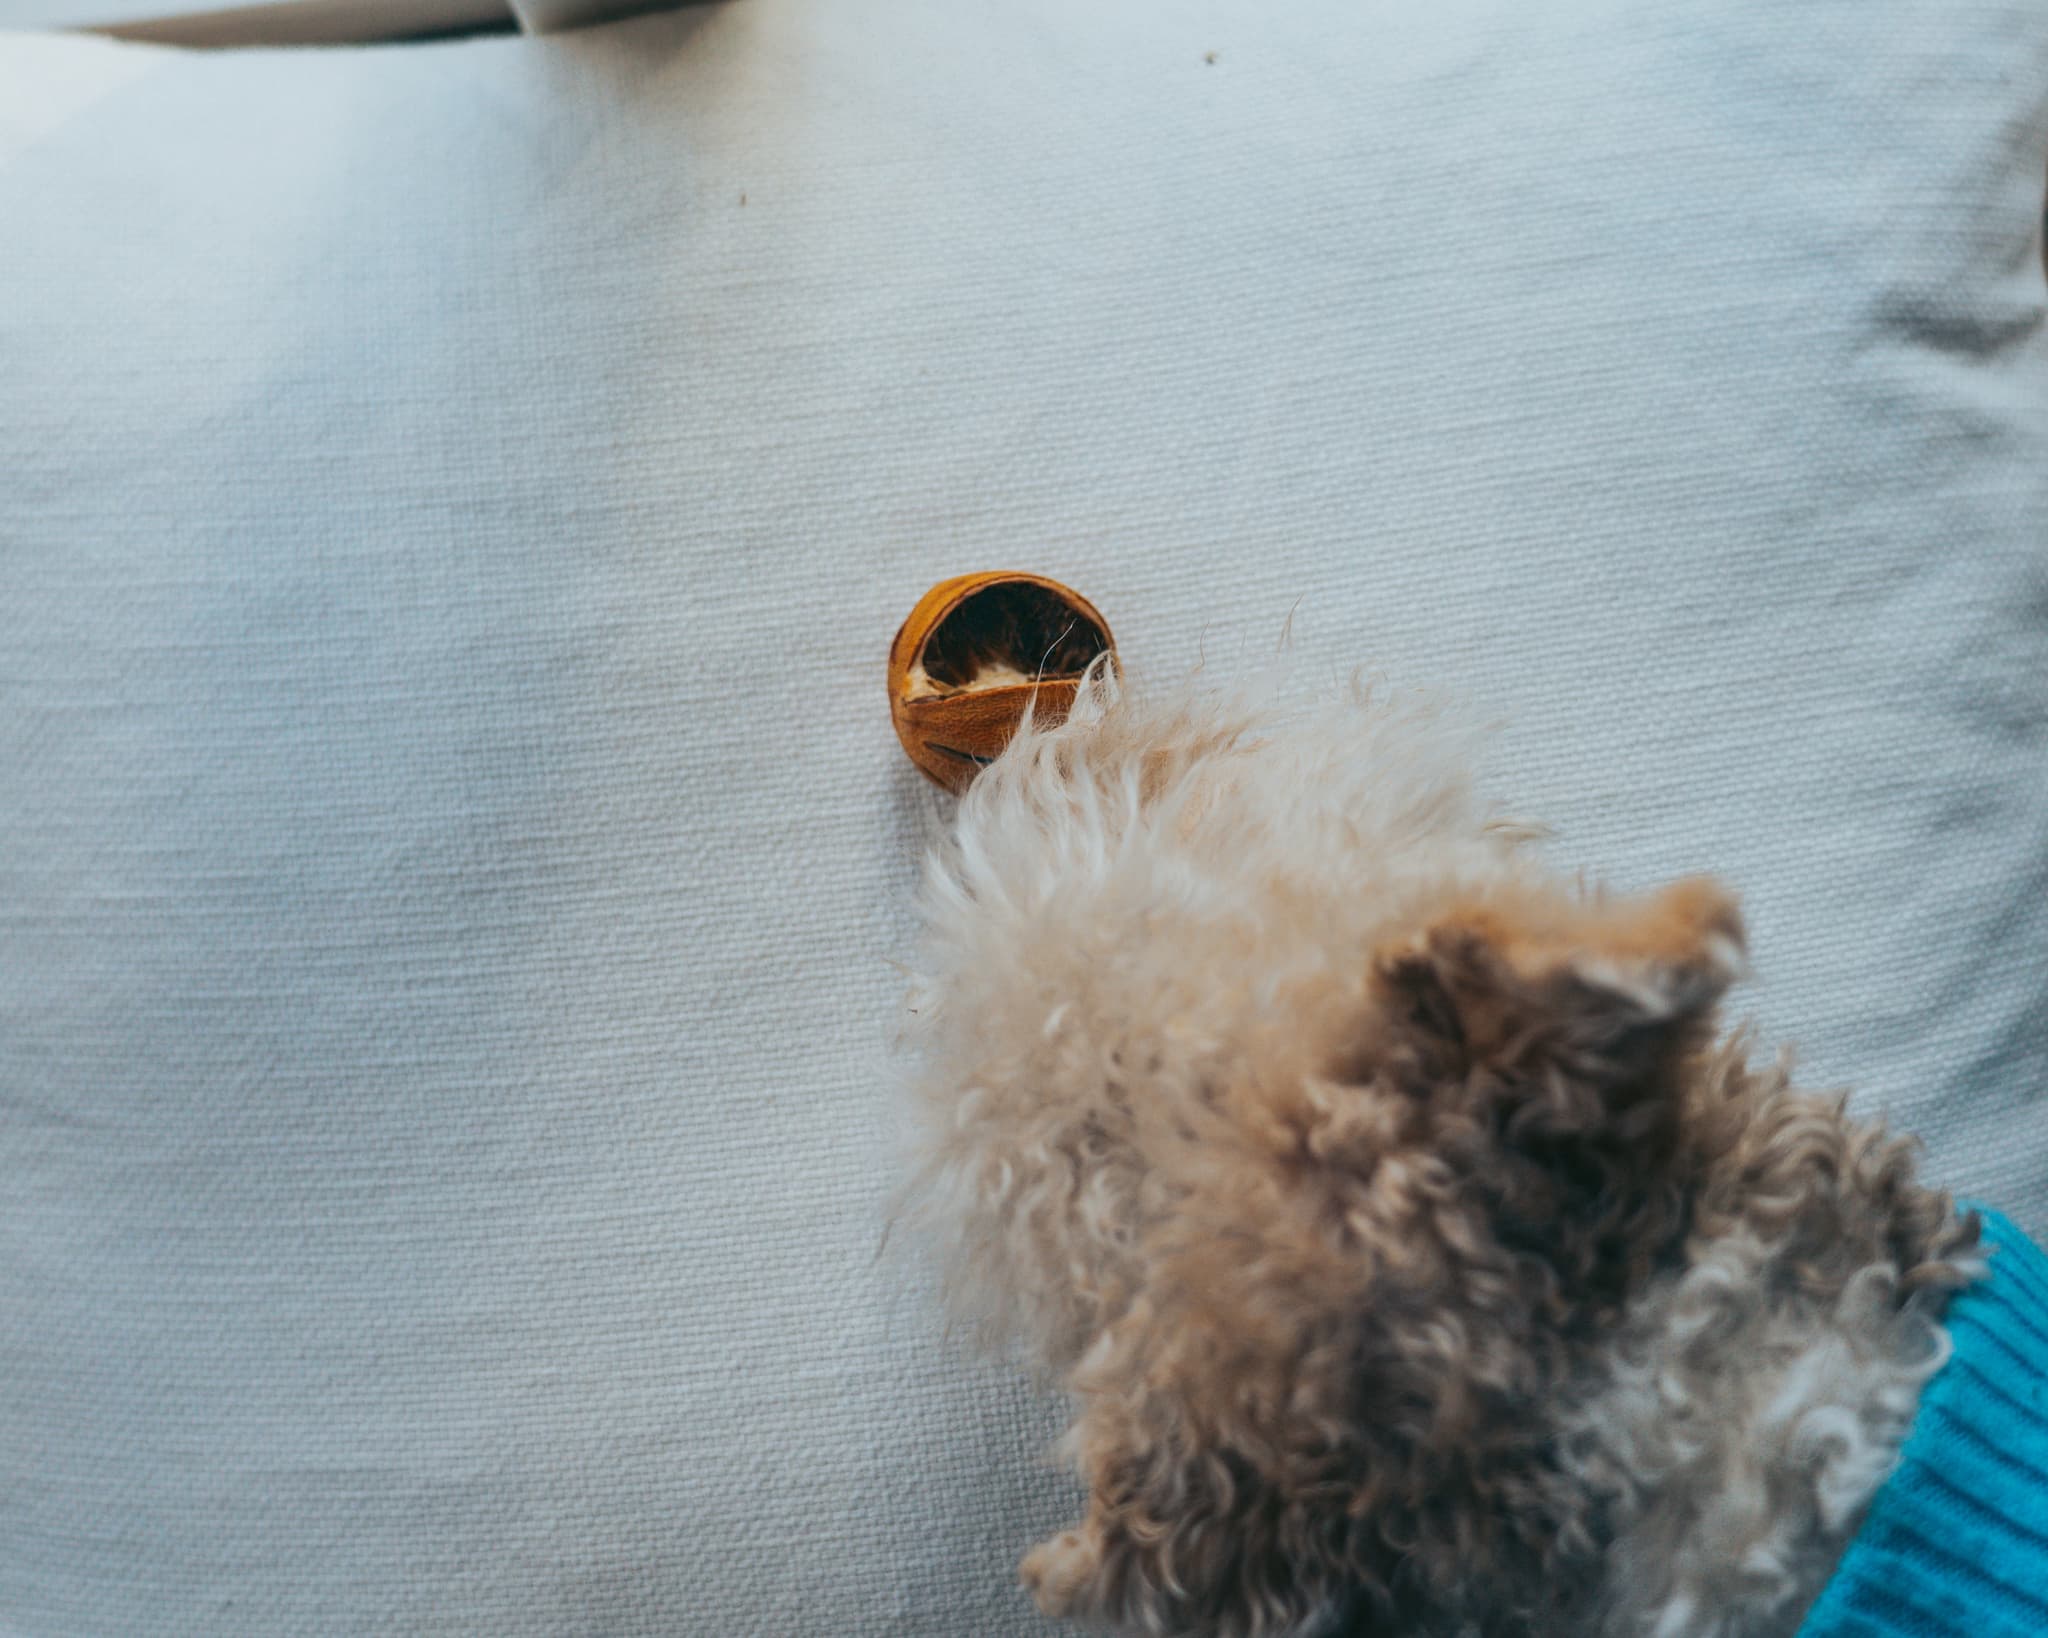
{"x": 1524, "y": 979}
{"x": 1543, "y": 1042}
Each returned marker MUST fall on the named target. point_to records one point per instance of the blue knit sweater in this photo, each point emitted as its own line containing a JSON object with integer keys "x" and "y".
{"x": 1956, "y": 1542}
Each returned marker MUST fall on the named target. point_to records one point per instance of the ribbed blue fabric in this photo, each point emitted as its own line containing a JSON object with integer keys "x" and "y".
{"x": 1956, "y": 1543}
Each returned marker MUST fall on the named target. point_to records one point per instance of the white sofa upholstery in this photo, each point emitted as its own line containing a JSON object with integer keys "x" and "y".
{"x": 454, "y": 501}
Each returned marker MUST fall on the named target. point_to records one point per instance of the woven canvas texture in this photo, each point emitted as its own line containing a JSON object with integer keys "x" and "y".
{"x": 454, "y": 503}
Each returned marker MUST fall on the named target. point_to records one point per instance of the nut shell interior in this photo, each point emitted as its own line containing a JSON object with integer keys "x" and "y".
{"x": 975, "y": 654}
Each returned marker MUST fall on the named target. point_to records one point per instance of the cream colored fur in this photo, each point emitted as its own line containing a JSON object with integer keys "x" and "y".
{"x": 1739, "y": 1435}
{"x": 1416, "y": 1257}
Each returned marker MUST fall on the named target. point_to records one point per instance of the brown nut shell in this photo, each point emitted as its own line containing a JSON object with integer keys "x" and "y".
{"x": 976, "y": 652}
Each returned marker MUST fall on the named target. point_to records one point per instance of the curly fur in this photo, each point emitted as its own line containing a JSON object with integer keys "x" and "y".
{"x": 1416, "y": 1257}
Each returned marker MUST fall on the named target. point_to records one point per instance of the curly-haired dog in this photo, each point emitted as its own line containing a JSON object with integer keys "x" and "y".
{"x": 1418, "y": 1255}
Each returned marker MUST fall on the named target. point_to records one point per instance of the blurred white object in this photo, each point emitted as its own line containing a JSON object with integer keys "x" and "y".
{"x": 48, "y": 80}
{"x": 308, "y": 22}
{"x": 549, "y": 16}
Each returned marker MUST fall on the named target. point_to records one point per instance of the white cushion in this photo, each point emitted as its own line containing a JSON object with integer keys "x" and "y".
{"x": 454, "y": 502}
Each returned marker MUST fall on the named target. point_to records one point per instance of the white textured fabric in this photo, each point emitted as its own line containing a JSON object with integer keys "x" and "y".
{"x": 453, "y": 505}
